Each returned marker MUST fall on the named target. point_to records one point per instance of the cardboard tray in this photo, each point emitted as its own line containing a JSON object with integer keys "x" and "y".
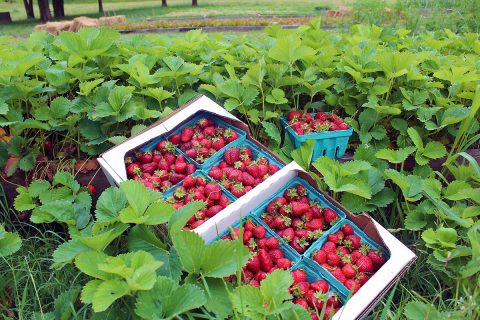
{"x": 358, "y": 306}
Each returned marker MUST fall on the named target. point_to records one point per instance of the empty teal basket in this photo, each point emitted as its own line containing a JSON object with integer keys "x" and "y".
{"x": 332, "y": 144}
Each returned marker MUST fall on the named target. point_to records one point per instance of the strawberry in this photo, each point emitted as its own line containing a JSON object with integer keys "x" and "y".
{"x": 254, "y": 171}
{"x": 320, "y": 286}
{"x": 355, "y": 255}
{"x": 179, "y": 193}
{"x": 299, "y": 244}
{"x": 192, "y": 153}
{"x": 298, "y": 276}
{"x": 218, "y": 143}
{"x": 347, "y": 229}
{"x": 320, "y": 256}
{"x": 284, "y": 263}
{"x": 299, "y": 208}
{"x": 247, "y": 235}
{"x": 302, "y": 302}
{"x": 188, "y": 182}
{"x": 333, "y": 238}
{"x": 254, "y": 264}
{"x": 230, "y": 135}
{"x": 91, "y": 188}
{"x": 204, "y": 122}
{"x": 333, "y": 259}
{"x": 259, "y": 232}
{"x": 377, "y": 257}
{"x": 196, "y": 224}
{"x": 329, "y": 215}
{"x": 272, "y": 169}
{"x": 265, "y": 261}
{"x": 213, "y": 191}
{"x": 321, "y": 116}
{"x": 301, "y": 288}
{"x": 293, "y": 115}
{"x": 364, "y": 264}
{"x": 361, "y": 278}
{"x": 351, "y": 285}
{"x": 223, "y": 201}
{"x": 209, "y": 131}
{"x": 272, "y": 243}
{"x": 288, "y": 234}
{"x": 249, "y": 225}
{"x": 329, "y": 247}
{"x": 176, "y": 177}
{"x": 349, "y": 271}
{"x": 248, "y": 180}
{"x": 337, "y": 273}
{"x": 175, "y": 139}
{"x": 214, "y": 210}
{"x": 260, "y": 276}
{"x": 314, "y": 224}
{"x": 352, "y": 241}
{"x": 186, "y": 135}
{"x": 190, "y": 169}
{"x": 231, "y": 155}
{"x": 238, "y": 190}
{"x": 216, "y": 173}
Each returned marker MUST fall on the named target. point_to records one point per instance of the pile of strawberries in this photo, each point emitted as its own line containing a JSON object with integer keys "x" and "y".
{"x": 313, "y": 296}
{"x": 347, "y": 259}
{"x": 198, "y": 188}
{"x": 159, "y": 169}
{"x": 297, "y": 219}
{"x": 239, "y": 172}
{"x": 201, "y": 140}
{"x": 267, "y": 253}
{"x": 304, "y": 123}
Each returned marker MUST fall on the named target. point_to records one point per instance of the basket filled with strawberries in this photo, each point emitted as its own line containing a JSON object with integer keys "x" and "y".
{"x": 316, "y": 292}
{"x": 200, "y": 188}
{"x": 329, "y": 131}
{"x": 349, "y": 255}
{"x": 269, "y": 251}
{"x": 202, "y": 137}
{"x": 298, "y": 214}
{"x": 158, "y": 165}
{"x": 242, "y": 167}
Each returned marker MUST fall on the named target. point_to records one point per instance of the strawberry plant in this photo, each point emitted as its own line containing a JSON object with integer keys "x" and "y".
{"x": 239, "y": 171}
{"x": 198, "y": 188}
{"x": 298, "y": 219}
{"x": 9, "y": 242}
{"x": 203, "y": 139}
{"x": 348, "y": 258}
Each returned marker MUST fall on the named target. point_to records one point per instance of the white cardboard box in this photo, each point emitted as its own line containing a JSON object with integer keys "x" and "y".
{"x": 373, "y": 290}
{"x": 112, "y": 163}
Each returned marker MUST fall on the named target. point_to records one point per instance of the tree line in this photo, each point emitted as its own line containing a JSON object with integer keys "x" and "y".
{"x": 59, "y": 8}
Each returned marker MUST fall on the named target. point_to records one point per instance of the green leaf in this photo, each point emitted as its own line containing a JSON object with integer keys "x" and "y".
{"x": 109, "y": 204}
{"x": 420, "y": 310}
{"x": 86, "y": 87}
{"x": 138, "y": 196}
{"x": 23, "y": 201}
{"x": 303, "y": 155}
{"x": 272, "y": 131}
{"x": 181, "y": 216}
{"x": 9, "y": 242}
{"x": 66, "y": 179}
{"x": 88, "y": 262}
{"x": 67, "y": 252}
{"x": 395, "y": 156}
{"x": 289, "y": 49}
{"x": 107, "y": 292}
{"x": 185, "y": 243}
{"x": 222, "y": 258}
{"x": 410, "y": 185}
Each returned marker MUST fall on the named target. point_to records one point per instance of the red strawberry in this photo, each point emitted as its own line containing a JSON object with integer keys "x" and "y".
{"x": 254, "y": 171}
{"x": 320, "y": 286}
{"x": 301, "y": 288}
{"x": 272, "y": 169}
{"x": 230, "y": 135}
{"x": 180, "y": 166}
{"x": 218, "y": 143}
{"x": 223, "y": 201}
{"x": 91, "y": 188}
{"x": 192, "y": 153}
{"x": 214, "y": 210}
{"x": 247, "y": 235}
{"x": 298, "y": 276}
{"x": 165, "y": 185}
{"x": 213, "y": 191}
{"x": 321, "y": 116}
{"x": 175, "y": 139}
{"x": 293, "y": 115}
{"x": 263, "y": 170}
{"x": 299, "y": 244}
{"x": 260, "y": 276}
{"x": 186, "y": 135}
{"x": 347, "y": 230}
{"x": 361, "y": 278}
{"x": 209, "y": 131}
{"x": 356, "y": 254}
{"x": 254, "y": 264}
{"x": 314, "y": 224}
{"x": 190, "y": 168}
{"x": 288, "y": 234}
{"x": 333, "y": 259}
{"x": 133, "y": 169}
{"x": 284, "y": 263}
{"x": 272, "y": 243}
{"x": 249, "y": 225}
{"x": 216, "y": 173}
{"x": 302, "y": 302}
{"x": 231, "y": 155}
{"x": 262, "y": 243}
{"x": 299, "y": 208}
{"x": 149, "y": 167}
{"x": 333, "y": 238}
{"x": 275, "y": 253}
{"x": 265, "y": 260}
{"x": 377, "y": 258}
{"x": 337, "y": 273}
{"x": 329, "y": 215}
{"x": 188, "y": 182}
{"x": 352, "y": 241}
{"x": 320, "y": 256}
{"x": 349, "y": 271}
{"x": 238, "y": 190}
{"x": 259, "y": 232}
{"x": 364, "y": 264}
{"x": 197, "y": 223}
{"x": 248, "y": 180}
{"x": 329, "y": 247}
{"x": 351, "y": 285}
{"x": 201, "y": 181}
{"x": 176, "y": 177}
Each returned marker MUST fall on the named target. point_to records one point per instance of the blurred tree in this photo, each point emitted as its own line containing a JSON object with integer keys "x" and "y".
{"x": 194, "y": 3}
{"x": 43, "y": 7}
{"x": 100, "y": 6}
{"x": 164, "y": 3}
{"x": 29, "y": 9}
{"x": 58, "y": 8}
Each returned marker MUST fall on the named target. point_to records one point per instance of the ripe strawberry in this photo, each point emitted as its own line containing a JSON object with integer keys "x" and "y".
{"x": 314, "y": 224}
{"x": 333, "y": 238}
{"x": 284, "y": 263}
{"x": 298, "y": 276}
{"x": 364, "y": 264}
{"x": 321, "y": 116}
{"x": 265, "y": 261}
{"x": 179, "y": 193}
{"x": 337, "y": 273}
{"x": 188, "y": 182}
{"x": 176, "y": 177}
{"x": 248, "y": 180}
{"x": 329, "y": 247}
{"x": 175, "y": 139}
{"x": 192, "y": 153}
{"x": 262, "y": 243}
{"x": 190, "y": 168}
{"x": 260, "y": 276}
{"x": 247, "y": 235}
{"x": 299, "y": 208}
{"x": 352, "y": 286}
{"x": 272, "y": 243}
{"x": 186, "y": 135}
{"x": 301, "y": 288}
{"x": 249, "y": 225}
{"x": 254, "y": 171}
{"x": 216, "y": 173}
{"x": 230, "y": 135}
{"x": 275, "y": 253}
{"x": 238, "y": 190}
{"x": 347, "y": 230}
{"x": 204, "y": 122}
{"x": 180, "y": 166}
{"x": 259, "y": 232}
{"x": 254, "y": 264}
{"x": 209, "y": 131}
{"x": 293, "y": 115}
{"x": 349, "y": 271}
{"x": 196, "y": 224}
{"x": 355, "y": 255}
{"x": 231, "y": 155}
{"x": 320, "y": 286}
{"x": 213, "y": 191}
{"x": 214, "y": 210}
{"x": 272, "y": 169}
{"x": 333, "y": 259}
{"x": 377, "y": 258}
{"x": 320, "y": 256}
{"x": 361, "y": 278}
{"x": 302, "y": 302}
{"x": 329, "y": 215}
{"x": 223, "y": 201}
{"x": 91, "y": 188}
{"x": 299, "y": 244}
{"x": 352, "y": 241}
{"x": 254, "y": 283}
{"x": 290, "y": 194}
{"x": 218, "y": 143}
{"x": 288, "y": 234}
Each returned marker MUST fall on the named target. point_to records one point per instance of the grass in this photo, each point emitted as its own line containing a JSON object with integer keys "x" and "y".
{"x": 137, "y": 11}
